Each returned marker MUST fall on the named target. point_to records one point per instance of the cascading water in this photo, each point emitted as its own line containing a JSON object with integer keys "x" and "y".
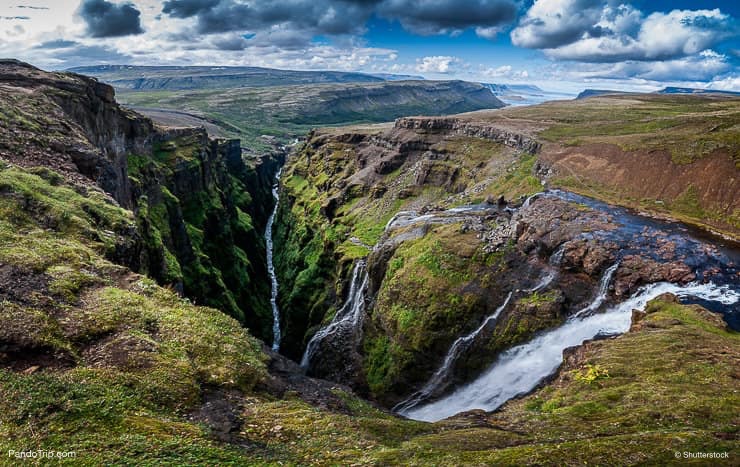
{"x": 518, "y": 370}
{"x": 276, "y": 335}
{"x": 550, "y": 273}
{"x": 602, "y": 292}
{"x": 348, "y": 318}
{"x": 529, "y": 200}
{"x": 443, "y": 373}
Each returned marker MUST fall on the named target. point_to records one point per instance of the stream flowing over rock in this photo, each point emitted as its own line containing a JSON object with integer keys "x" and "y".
{"x": 276, "y": 335}
{"x": 343, "y": 333}
{"x": 520, "y": 369}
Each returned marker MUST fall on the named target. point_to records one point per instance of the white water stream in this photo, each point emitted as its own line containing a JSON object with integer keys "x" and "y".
{"x": 518, "y": 370}
{"x": 276, "y": 336}
{"x": 443, "y": 373}
{"x": 347, "y": 318}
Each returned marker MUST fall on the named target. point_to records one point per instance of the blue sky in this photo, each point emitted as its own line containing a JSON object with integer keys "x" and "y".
{"x": 558, "y": 44}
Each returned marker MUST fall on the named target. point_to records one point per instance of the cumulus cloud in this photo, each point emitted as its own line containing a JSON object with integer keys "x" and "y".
{"x": 187, "y": 8}
{"x": 602, "y": 31}
{"x": 450, "y": 16}
{"x": 506, "y": 72}
{"x": 106, "y": 19}
{"x": 661, "y": 36}
{"x": 700, "y": 67}
{"x": 337, "y": 17}
{"x": 315, "y": 16}
{"x": 437, "y": 64}
{"x": 726, "y": 83}
{"x": 552, "y": 23}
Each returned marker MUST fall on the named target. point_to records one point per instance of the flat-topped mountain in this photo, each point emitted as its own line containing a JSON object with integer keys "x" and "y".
{"x": 667, "y": 90}
{"x": 288, "y": 112}
{"x": 208, "y": 77}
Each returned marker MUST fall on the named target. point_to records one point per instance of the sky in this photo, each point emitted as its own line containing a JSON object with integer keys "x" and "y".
{"x": 560, "y": 45}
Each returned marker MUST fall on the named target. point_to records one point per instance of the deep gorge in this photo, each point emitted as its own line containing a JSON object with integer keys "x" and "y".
{"x": 357, "y": 200}
{"x": 464, "y": 268}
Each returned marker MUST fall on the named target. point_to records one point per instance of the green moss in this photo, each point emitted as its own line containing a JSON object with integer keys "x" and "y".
{"x": 688, "y": 203}
{"x": 539, "y": 298}
{"x": 67, "y": 281}
{"x": 518, "y": 181}
{"x": 380, "y": 364}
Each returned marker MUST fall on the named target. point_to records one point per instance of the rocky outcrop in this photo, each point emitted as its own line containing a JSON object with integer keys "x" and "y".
{"x": 456, "y": 126}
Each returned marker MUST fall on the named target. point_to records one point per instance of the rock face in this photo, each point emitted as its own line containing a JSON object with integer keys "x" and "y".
{"x": 433, "y": 274}
{"x": 453, "y": 126}
{"x": 200, "y": 208}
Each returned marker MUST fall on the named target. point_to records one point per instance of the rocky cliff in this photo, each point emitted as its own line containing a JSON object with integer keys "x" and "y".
{"x": 200, "y": 208}
{"x": 341, "y": 194}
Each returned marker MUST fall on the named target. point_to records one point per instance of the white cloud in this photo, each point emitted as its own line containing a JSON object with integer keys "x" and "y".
{"x": 728, "y": 83}
{"x": 602, "y": 31}
{"x": 552, "y": 23}
{"x": 488, "y": 33}
{"x": 661, "y": 36}
{"x": 436, "y": 64}
{"x": 702, "y": 67}
{"x": 506, "y": 72}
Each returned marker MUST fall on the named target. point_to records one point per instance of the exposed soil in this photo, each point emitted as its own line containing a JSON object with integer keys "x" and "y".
{"x": 287, "y": 376}
{"x": 651, "y": 174}
{"x": 30, "y": 359}
{"x": 122, "y": 351}
{"x": 23, "y": 286}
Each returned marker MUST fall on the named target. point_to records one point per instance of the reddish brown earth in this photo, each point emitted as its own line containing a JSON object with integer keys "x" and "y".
{"x": 653, "y": 175}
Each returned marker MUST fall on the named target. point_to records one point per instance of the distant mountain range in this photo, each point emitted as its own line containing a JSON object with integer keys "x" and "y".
{"x": 177, "y": 78}
{"x": 172, "y": 78}
{"x": 667, "y": 90}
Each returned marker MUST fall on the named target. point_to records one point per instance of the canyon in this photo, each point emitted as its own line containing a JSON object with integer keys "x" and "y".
{"x": 491, "y": 287}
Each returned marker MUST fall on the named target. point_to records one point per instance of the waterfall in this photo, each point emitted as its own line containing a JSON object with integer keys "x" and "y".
{"x": 349, "y": 317}
{"x": 529, "y": 200}
{"x": 518, "y": 370}
{"x": 603, "y": 290}
{"x": 545, "y": 281}
{"x": 550, "y": 274}
{"x": 276, "y": 335}
{"x": 557, "y": 257}
{"x": 443, "y": 373}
